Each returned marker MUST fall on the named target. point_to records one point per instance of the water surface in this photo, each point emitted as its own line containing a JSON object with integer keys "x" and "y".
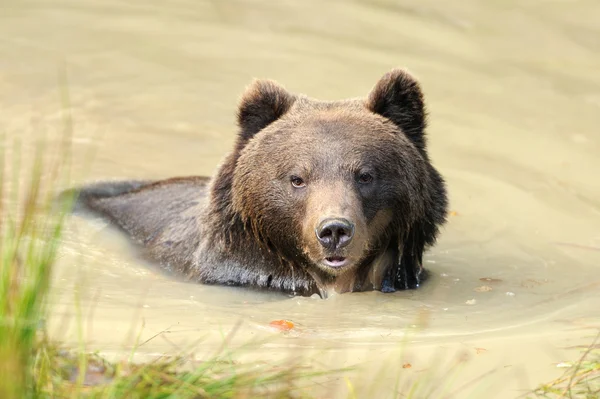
{"x": 513, "y": 92}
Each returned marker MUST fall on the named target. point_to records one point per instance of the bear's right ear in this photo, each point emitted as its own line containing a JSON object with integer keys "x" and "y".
{"x": 398, "y": 97}
{"x": 263, "y": 103}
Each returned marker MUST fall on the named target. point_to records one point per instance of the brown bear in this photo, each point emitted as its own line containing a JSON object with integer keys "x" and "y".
{"x": 316, "y": 197}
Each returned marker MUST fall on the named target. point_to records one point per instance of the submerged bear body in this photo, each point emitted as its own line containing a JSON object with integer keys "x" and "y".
{"x": 315, "y": 197}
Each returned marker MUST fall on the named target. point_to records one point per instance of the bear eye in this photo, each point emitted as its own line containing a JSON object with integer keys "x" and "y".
{"x": 365, "y": 178}
{"x": 297, "y": 182}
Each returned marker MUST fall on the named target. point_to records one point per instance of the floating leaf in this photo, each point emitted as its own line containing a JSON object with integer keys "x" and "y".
{"x": 283, "y": 325}
{"x": 490, "y": 280}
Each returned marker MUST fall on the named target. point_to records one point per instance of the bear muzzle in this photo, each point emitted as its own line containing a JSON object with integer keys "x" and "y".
{"x": 334, "y": 234}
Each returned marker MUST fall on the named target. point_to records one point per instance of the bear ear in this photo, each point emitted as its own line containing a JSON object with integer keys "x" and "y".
{"x": 398, "y": 97}
{"x": 263, "y": 103}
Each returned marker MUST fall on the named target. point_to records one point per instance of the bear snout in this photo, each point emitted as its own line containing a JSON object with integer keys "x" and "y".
{"x": 334, "y": 233}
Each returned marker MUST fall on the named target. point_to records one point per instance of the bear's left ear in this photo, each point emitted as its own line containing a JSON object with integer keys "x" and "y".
{"x": 398, "y": 97}
{"x": 262, "y": 104}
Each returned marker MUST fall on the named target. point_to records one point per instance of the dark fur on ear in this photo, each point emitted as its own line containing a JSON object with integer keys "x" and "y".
{"x": 263, "y": 103}
{"x": 398, "y": 97}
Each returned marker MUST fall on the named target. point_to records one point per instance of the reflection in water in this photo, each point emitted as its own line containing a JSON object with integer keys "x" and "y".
{"x": 513, "y": 94}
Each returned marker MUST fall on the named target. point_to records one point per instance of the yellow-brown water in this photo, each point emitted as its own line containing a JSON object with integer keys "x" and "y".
{"x": 513, "y": 91}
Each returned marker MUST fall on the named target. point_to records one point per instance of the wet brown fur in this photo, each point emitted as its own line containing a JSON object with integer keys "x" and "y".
{"x": 248, "y": 226}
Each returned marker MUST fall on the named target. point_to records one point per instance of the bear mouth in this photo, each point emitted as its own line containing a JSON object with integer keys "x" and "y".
{"x": 336, "y": 261}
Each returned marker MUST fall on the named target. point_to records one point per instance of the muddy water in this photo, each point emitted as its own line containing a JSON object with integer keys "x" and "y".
{"x": 514, "y": 99}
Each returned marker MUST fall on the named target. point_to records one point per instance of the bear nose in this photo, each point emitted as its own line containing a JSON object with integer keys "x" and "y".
{"x": 335, "y": 233}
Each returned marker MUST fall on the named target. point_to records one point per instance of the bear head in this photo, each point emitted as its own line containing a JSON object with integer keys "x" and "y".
{"x": 328, "y": 185}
